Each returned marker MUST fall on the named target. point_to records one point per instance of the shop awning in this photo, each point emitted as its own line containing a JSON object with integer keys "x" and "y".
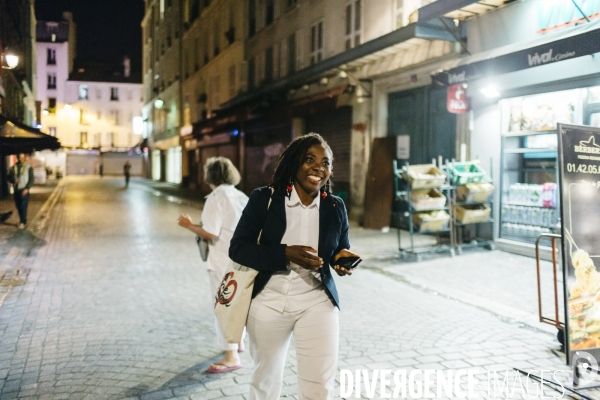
{"x": 403, "y": 38}
{"x": 553, "y": 47}
{"x": 458, "y": 9}
{"x": 20, "y": 138}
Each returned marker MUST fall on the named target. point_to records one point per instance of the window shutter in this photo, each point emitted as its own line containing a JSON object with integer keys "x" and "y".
{"x": 283, "y": 56}
{"x": 276, "y": 61}
{"x": 299, "y": 50}
{"x": 243, "y": 76}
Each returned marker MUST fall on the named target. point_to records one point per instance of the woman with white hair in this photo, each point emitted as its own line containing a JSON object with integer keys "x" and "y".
{"x": 222, "y": 211}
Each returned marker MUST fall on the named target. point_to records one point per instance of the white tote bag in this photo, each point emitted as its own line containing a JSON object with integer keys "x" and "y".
{"x": 233, "y": 298}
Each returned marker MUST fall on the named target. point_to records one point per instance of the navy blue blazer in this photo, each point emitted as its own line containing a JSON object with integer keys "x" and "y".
{"x": 269, "y": 256}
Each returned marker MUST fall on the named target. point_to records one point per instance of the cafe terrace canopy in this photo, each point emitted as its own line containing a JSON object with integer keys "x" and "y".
{"x": 19, "y": 138}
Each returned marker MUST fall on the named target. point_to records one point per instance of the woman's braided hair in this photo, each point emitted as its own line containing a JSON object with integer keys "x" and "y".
{"x": 293, "y": 157}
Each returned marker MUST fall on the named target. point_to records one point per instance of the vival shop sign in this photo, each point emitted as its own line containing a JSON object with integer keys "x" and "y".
{"x": 457, "y": 101}
{"x": 579, "y": 151}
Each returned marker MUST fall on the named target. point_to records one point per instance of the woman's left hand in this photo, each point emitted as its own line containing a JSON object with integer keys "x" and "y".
{"x": 341, "y": 271}
{"x": 184, "y": 220}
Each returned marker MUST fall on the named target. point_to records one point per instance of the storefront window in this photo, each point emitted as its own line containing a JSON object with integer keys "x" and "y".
{"x": 529, "y": 200}
{"x": 594, "y": 95}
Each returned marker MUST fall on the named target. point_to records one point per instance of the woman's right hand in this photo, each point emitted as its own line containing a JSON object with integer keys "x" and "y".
{"x": 304, "y": 256}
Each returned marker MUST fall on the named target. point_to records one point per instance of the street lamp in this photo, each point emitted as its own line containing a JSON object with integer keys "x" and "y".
{"x": 9, "y": 60}
{"x": 159, "y": 103}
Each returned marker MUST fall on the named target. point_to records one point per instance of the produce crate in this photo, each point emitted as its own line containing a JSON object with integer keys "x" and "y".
{"x": 423, "y": 200}
{"x": 433, "y": 221}
{"x": 424, "y": 176}
{"x": 475, "y": 193}
{"x": 472, "y": 213}
{"x": 465, "y": 172}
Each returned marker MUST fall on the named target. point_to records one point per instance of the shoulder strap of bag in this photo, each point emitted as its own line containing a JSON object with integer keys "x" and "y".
{"x": 268, "y": 206}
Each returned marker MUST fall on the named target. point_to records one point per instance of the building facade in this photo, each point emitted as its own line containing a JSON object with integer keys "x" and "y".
{"x": 214, "y": 72}
{"x": 94, "y": 108}
{"x": 162, "y": 99}
{"x": 18, "y": 84}
{"x": 56, "y": 52}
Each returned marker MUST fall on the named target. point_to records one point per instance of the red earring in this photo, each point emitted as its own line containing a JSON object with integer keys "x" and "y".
{"x": 289, "y": 188}
{"x": 323, "y": 195}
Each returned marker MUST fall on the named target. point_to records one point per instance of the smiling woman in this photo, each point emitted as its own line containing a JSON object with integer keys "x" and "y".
{"x": 304, "y": 234}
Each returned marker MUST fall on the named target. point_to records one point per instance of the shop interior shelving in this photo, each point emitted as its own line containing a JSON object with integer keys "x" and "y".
{"x": 520, "y": 220}
{"x": 404, "y": 218}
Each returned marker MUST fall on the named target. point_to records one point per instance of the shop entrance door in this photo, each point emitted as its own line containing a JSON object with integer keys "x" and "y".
{"x": 422, "y": 115}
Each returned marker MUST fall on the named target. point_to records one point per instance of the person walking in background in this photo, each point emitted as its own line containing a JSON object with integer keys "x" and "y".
{"x": 304, "y": 233}
{"x": 101, "y": 170}
{"x": 221, "y": 213}
{"x": 126, "y": 172}
{"x": 21, "y": 176}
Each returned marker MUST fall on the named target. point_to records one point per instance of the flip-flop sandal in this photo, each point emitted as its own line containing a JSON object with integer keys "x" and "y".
{"x": 212, "y": 370}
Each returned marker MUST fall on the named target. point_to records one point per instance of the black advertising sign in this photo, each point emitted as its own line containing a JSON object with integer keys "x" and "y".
{"x": 559, "y": 50}
{"x": 579, "y": 150}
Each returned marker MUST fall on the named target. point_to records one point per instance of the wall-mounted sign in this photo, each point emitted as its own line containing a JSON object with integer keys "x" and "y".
{"x": 403, "y": 147}
{"x": 458, "y": 102}
{"x": 554, "y": 14}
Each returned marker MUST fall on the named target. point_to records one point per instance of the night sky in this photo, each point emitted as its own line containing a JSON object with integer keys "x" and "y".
{"x": 106, "y": 29}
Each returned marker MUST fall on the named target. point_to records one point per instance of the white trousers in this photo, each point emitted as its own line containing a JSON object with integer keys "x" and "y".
{"x": 215, "y": 281}
{"x": 316, "y": 339}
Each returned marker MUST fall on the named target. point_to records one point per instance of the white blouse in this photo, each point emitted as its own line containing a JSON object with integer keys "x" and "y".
{"x": 222, "y": 211}
{"x": 298, "y": 288}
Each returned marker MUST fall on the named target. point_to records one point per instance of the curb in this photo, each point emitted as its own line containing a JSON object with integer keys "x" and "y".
{"x": 15, "y": 275}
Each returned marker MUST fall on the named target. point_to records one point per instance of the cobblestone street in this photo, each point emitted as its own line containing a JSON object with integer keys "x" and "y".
{"x": 114, "y": 303}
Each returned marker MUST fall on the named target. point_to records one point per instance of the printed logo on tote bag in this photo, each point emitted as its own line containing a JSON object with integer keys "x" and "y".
{"x": 227, "y": 290}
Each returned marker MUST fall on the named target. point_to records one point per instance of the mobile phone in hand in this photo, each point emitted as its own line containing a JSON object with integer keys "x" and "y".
{"x": 348, "y": 262}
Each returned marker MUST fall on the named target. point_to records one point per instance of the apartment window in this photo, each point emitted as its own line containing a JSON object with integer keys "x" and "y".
{"x": 196, "y": 54}
{"x": 399, "y": 13}
{"x": 316, "y": 42}
{"x": 111, "y": 137}
{"x": 98, "y": 93}
{"x": 114, "y": 94}
{"x": 52, "y": 105}
{"x": 216, "y": 98}
{"x": 83, "y": 139}
{"x": 52, "y": 81}
{"x": 114, "y": 117}
{"x": 83, "y": 116}
{"x": 129, "y": 94}
{"x": 269, "y": 64}
{"x": 232, "y": 81}
{"x": 99, "y": 115}
{"x": 216, "y": 39}
{"x": 51, "y": 56}
{"x": 52, "y": 130}
{"x": 353, "y": 23}
{"x": 251, "y": 18}
{"x": 270, "y": 12}
{"x": 83, "y": 92}
{"x": 291, "y": 53}
{"x": 251, "y": 74}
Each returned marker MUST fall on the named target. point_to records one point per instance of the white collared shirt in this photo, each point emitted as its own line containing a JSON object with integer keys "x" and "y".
{"x": 222, "y": 211}
{"x": 298, "y": 288}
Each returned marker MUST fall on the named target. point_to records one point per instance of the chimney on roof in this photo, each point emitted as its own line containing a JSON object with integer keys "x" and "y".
{"x": 126, "y": 67}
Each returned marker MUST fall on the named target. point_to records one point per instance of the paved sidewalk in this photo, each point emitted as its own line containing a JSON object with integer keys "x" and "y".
{"x": 116, "y": 305}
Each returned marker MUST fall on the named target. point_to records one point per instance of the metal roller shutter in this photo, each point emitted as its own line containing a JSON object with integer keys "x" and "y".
{"x": 336, "y": 128}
